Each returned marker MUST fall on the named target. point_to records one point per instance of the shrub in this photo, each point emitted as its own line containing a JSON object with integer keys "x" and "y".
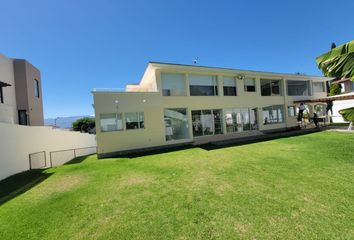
{"x": 84, "y": 125}
{"x": 335, "y": 89}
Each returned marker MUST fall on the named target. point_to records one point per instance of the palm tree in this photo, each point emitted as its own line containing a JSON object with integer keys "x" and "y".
{"x": 339, "y": 63}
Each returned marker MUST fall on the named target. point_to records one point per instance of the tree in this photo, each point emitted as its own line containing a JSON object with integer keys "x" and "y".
{"x": 334, "y": 89}
{"x": 84, "y": 125}
{"x": 338, "y": 62}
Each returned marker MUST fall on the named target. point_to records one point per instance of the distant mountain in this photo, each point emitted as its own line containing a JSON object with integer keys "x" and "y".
{"x": 63, "y": 122}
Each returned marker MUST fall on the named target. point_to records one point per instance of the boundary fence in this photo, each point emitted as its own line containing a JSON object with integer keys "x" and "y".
{"x": 38, "y": 160}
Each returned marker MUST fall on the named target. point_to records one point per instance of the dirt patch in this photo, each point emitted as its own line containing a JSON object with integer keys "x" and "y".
{"x": 135, "y": 180}
{"x": 242, "y": 228}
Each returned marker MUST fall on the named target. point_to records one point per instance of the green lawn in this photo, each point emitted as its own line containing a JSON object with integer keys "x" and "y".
{"x": 290, "y": 188}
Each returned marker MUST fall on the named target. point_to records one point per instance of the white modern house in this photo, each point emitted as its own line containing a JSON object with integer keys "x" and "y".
{"x": 179, "y": 104}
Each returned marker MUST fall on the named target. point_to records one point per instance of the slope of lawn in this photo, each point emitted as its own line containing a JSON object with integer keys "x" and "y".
{"x": 291, "y": 188}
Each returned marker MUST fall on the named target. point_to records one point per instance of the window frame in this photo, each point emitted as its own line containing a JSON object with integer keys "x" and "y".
{"x": 323, "y": 87}
{"x": 272, "y": 109}
{"x": 201, "y": 122}
{"x": 168, "y": 125}
{"x": 116, "y": 119}
{"x": 225, "y": 86}
{"x": 245, "y": 86}
{"x": 309, "y": 91}
{"x": 280, "y": 86}
{"x": 163, "y": 90}
{"x": 36, "y": 88}
{"x": 139, "y": 114}
{"x": 215, "y": 89}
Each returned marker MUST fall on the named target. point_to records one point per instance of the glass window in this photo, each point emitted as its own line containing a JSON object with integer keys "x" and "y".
{"x": 203, "y": 85}
{"x": 36, "y": 88}
{"x": 206, "y": 122}
{"x": 273, "y": 114}
{"x": 241, "y": 119}
{"x": 176, "y": 124}
{"x": 134, "y": 120}
{"x": 253, "y": 119}
{"x": 173, "y": 84}
{"x": 318, "y": 87}
{"x": 229, "y": 86}
{"x": 298, "y": 88}
{"x": 270, "y": 87}
{"x": 111, "y": 122}
{"x": 250, "y": 84}
{"x": 291, "y": 111}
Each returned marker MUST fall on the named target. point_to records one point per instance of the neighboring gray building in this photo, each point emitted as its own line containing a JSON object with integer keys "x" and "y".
{"x": 20, "y": 92}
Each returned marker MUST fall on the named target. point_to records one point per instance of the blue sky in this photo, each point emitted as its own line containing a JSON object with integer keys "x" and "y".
{"x": 82, "y": 44}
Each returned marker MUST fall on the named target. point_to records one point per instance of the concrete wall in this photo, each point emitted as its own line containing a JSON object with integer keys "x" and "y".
{"x": 8, "y": 110}
{"x": 17, "y": 142}
{"x": 25, "y": 74}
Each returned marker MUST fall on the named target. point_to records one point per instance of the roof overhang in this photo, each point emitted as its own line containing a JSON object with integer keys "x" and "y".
{"x": 347, "y": 96}
{"x": 341, "y": 80}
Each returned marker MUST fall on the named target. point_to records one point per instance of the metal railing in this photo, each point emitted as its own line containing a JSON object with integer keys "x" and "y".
{"x": 61, "y": 157}
{"x": 37, "y": 160}
{"x": 130, "y": 90}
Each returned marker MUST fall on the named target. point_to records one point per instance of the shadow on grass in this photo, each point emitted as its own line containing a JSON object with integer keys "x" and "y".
{"x": 17, "y": 184}
{"x": 222, "y": 144}
{"x": 79, "y": 159}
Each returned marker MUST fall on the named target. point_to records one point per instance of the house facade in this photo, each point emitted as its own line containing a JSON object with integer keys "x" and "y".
{"x": 178, "y": 104}
{"x": 20, "y": 92}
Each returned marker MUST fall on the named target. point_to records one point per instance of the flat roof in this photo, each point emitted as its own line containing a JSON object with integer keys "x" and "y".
{"x": 235, "y": 69}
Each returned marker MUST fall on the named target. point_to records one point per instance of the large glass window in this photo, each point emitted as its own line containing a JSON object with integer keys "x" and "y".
{"x": 250, "y": 84}
{"x": 229, "y": 86}
{"x": 318, "y": 87}
{"x": 36, "y": 88}
{"x": 273, "y": 114}
{"x": 176, "y": 124}
{"x": 271, "y": 87}
{"x": 298, "y": 88}
{"x": 111, "y": 122}
{"x": 173, "y": 84}
{"x": 206, "y": 122}
{"x": 203, "y": 85}
{"x": 241, "y": 119}
{"x": 134, "y": 120}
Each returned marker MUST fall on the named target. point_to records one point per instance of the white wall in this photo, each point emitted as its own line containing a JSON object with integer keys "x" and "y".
{"x": 339, "y": 105}
{"x": 8, "y": 110}
{"x": 17, "y": 142}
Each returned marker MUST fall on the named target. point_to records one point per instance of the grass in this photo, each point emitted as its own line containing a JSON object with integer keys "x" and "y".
{"x": 291, "y": 188}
